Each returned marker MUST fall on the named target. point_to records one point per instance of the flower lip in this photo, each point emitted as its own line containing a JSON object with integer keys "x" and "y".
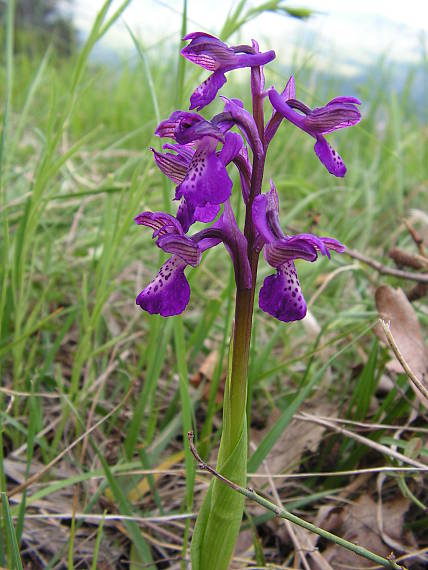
{"x": 169, "y": 292}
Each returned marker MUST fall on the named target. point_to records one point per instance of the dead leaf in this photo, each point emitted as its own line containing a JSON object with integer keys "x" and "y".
{"x": 298, "y": 437}
{"x": 206, "y": 372}
{"x": 357, "y": 523}
{"x": 143, "y": 487}
{"x": 393, "y": 306}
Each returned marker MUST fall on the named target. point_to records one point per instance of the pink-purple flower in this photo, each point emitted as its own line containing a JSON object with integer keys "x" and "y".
{"x": 281, "y": 295}
{"x": 339, "y": 113}
{"x": 195, "y": 165}
{"x": 212, "y": 54}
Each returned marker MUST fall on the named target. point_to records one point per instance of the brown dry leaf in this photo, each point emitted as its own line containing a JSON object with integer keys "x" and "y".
{"x": 206, "y": 372}
{"x": 137, "y": 492}
{"x": 393, "y": 306}
{"x": 296, "y": 438}
{"x": 357, "y": 523}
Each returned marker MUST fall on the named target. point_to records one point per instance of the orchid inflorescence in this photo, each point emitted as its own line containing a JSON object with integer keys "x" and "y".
{"x": 197, "y": 162}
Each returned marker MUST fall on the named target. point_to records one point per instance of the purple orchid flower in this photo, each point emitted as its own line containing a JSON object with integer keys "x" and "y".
{"x": 169, "y": 292}
{"x": 339, "y": 113}
{"x": 212, "y": 54}
{"x": 197, "y": 169}
{"x": 281, "y": 295}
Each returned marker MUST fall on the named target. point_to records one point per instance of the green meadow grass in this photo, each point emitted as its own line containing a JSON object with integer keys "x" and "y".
{"x": 74, "y": 348}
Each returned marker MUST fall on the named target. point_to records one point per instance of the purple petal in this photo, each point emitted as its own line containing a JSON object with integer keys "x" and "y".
{"x": 206, "y": 213}
{"x": 266, "y": 215}
{"x": 231, "y": 148}
{"x": 281, "y": 296}
{"x": 245, "y": 121}
{"x": 313, "y": 241}
{"x": 171, "y": 165}
{"x": 184, "y": 151}
{"x": 181, "y": 246}
{"x": 207, "y": 51}
{"x": 161, "y": 222}
{"x": 322, "y": 244}
{"x": 169, "y": 292}
{"x": 193, "y": 128}
{"x": 333, "y": 244}
{"x": 287, "y": 249}
{"x": 207, "y": 181}
{"x": 207, "y": 90}
{"x": 329, "y": 157}
{"x": 260, "y": 218}
{"x": 244, "y": 167}
{"x": 289, "y": 90}
{"x": 212, "y": 54}
{"x": 335, "y": 115}
{"x": 185, "y": 215}
{"x": 285, "y": 110}
{"x": 167, "y": 127}
{"x": 353, "y": 100}
{"x": 186, "y": 127}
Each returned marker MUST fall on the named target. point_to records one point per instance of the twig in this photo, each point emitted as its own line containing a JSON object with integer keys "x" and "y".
{"x": 420, "y": 278}
{"x": 416, "y": 382}
{"x": 416, "y": 238}
{"x": 282, "y": 513}
{"x": 364, "y": 440}
{"x": 403, "y": 258}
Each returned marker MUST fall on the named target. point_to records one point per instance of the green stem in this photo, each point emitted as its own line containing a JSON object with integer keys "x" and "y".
{"x": 239, "y": 372}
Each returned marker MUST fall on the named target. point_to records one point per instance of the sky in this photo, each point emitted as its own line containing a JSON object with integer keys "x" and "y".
{"x": 343, "y": 33}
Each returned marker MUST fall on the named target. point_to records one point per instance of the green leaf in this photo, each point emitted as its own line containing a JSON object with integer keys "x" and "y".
{"x": 218, "y": 523}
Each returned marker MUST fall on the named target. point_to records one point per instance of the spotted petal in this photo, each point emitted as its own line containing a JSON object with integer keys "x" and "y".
{"x": 169, "y": 292}
{"x": 281, "y": 296}
{"x": 207, "y": 90}
{"x": 207, "y": 181}
{"x": 329, "y": 157}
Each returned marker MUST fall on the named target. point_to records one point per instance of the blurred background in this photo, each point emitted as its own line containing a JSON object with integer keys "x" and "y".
{"x": 97, "y": 396}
